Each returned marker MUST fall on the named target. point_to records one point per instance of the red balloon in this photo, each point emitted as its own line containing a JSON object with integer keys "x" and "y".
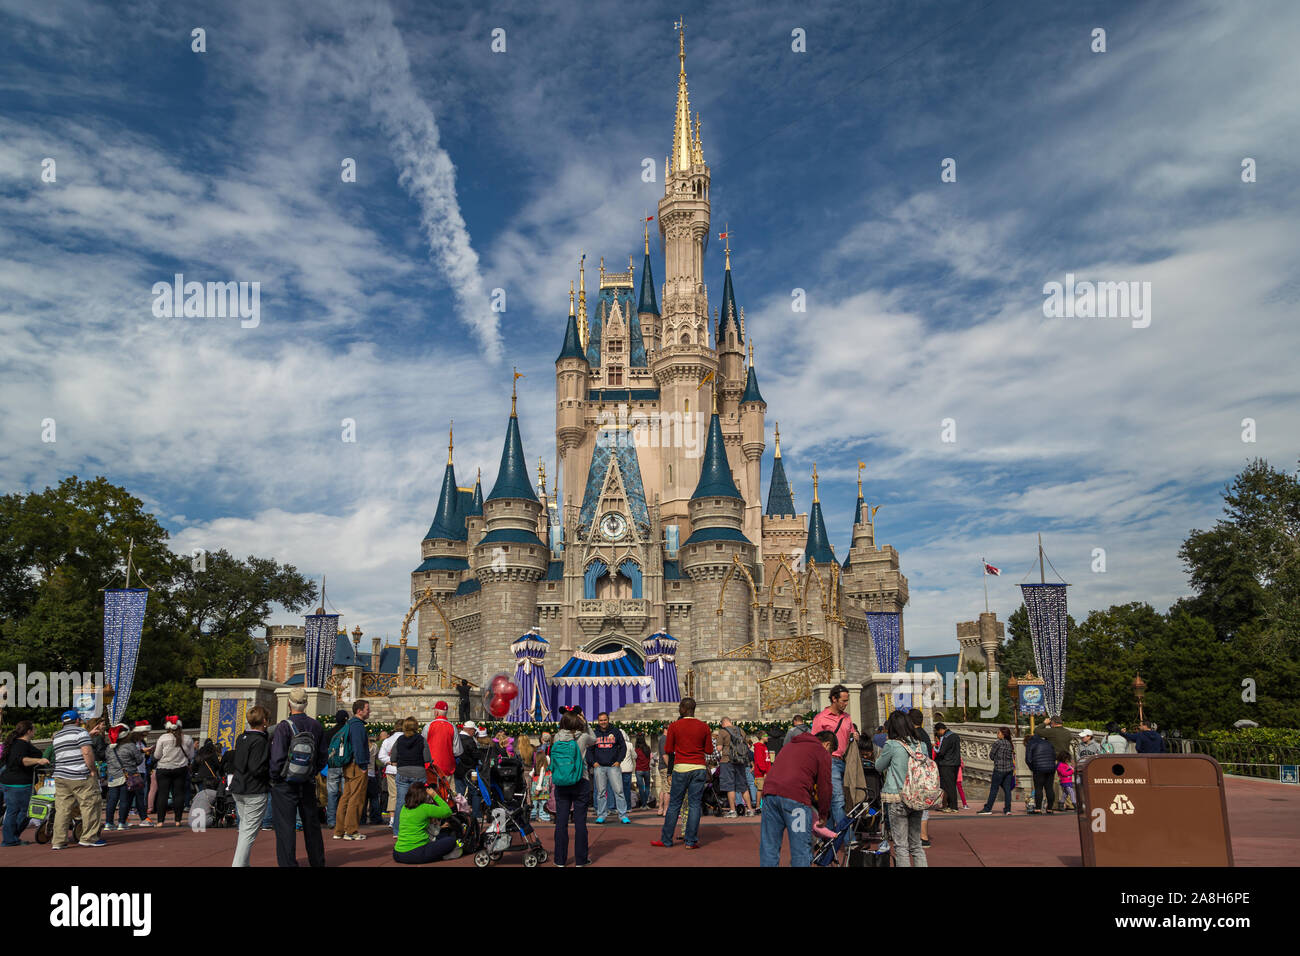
{"x": 511, "y": 690}
{"x": 499, "y": 707}
{"x": 499, "y": 684}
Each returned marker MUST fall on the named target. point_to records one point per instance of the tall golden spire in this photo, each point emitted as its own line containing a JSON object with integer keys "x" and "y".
{"x": 861, "y": 465}
{"x": 682, "y": 142}
{"x": 726, "y": 247}
{"x": 815, "y": 496}
{"x": 751, "y": 353}
{"x": 647, "y": 237}
{"x": 583, "y": 329}
{"x": 778, "y": 439}
{"x": 541, "y": 477}
{"x": 450, "y": 425}
{"x": 570, "y": 298}
{"x": 514, "y": 392}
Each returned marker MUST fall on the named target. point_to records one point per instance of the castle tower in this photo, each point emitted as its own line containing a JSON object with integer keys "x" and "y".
{"x": 647, "y": 305}
{"x": 445, "y": 553}
{"x": 684, "y": 357}
{"x": 509, "y": 560}
{"x": 285, "y": 645}
{"x": 872, "y": 579}
{"x": 725, "y": 617}
{"x": 784, "y": 531}
{"x": 729, "y": 340}
{"x": 979, "y": 641}
{"x": 572, "y": 375}
{"x": 753, "y": 414}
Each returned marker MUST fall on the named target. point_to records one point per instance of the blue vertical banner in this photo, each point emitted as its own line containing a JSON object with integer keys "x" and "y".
{"x": 123, "y": 624}
{"x": 226, "y": 719}
{"x": 884, "y": 638}
{"x": 1045, "y": 605}
{"x": 322, "y": 634}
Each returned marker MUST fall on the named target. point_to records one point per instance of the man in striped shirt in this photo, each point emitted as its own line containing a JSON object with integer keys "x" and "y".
{"x": 76, "y": 784}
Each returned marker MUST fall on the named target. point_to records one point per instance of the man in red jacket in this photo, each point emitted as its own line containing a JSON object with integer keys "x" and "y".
{"x": 799, "y": 779}
{"x": 442, "y": 738}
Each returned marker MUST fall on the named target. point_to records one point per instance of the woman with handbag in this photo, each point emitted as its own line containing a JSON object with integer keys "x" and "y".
{"x": 130, "y": 754}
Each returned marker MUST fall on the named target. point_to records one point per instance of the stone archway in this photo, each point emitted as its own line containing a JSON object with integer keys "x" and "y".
{"x": 615, "y": 642}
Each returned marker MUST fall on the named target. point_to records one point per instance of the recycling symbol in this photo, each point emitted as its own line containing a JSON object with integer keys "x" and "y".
{"x": 1121, "y": 804}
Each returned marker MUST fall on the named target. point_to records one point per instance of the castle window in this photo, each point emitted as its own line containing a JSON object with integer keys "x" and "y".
{"x": 670, "y": 474}
{"x": 717, "y": 547}
{"x": 615, "y": 375}
{"x": 550, "y": 587}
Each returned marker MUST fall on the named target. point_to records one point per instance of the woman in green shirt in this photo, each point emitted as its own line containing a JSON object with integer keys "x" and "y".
{"x": 414, "y": 845}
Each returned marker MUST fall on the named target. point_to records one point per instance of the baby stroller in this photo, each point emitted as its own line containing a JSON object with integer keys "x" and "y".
{"x": 859, "y": 839}
{"x": 712, "y": 799}
{"x": 506, "y": 827}
{"x": 41, "y": 810}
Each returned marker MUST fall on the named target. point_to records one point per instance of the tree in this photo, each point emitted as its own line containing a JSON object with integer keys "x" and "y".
{"x": 60, "y": 547}
{"x": 1246, "y": 569}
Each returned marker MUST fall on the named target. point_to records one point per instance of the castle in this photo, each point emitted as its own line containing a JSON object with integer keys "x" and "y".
{"x": 658, "y": 519}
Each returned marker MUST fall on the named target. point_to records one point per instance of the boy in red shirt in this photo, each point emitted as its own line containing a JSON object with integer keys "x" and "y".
{"x": 688, "y": 743}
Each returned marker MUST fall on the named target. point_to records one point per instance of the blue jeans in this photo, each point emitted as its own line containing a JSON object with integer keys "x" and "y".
{"x": 753, "y": 789}
{"x": 785, "y": 814}
{"x": 16, "y": 801}
{"x": 403, "y": 785}
{"x": 643, "y": 788}
{"x": 627, "y": 789}
{"x": 837, "y": 792}
{"x": 688, "y": 785}
{"x": 1003, "y": 780}
{"x": 607, "y": 780}
{"x": 333, "y": 790}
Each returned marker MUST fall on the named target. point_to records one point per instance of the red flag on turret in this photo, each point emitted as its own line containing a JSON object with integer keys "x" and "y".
{"x": 989, "y": 569}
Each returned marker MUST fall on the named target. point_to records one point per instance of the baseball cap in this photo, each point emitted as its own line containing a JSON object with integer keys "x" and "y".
{"x": 469, "y": 725}
{"x": 1085, "y": 733}
{"x": 68, "y": 716}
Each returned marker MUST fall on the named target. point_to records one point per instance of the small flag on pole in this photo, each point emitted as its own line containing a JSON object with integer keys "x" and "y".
{"x": 708, "y": 377}
{"x": 989, "y": 569}
{"x": 722, "y": 235}
{"x": 649, "y": 218}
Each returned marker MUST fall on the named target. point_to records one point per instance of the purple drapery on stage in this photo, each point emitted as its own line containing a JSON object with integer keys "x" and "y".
{"x": 601, "y": 682}
{"x": 322, "y": 634}
{"x": 1045, "y": 605}
{"x": 533, "y": 701}
{"x": 661, "y": 666}
{"x": 884, "y": 638}
{"x": 123, "y": 623}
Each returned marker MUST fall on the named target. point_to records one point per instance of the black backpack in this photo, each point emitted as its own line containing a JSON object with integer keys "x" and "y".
{"x": 300, "y": 761}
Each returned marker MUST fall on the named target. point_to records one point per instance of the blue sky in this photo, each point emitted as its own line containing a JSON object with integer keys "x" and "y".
{"x": 480, "y": 170}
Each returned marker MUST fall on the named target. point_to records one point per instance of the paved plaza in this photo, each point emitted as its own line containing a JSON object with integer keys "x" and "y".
{"x": 1263, "y": 815}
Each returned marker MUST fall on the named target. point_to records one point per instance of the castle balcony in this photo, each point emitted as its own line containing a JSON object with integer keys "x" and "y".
{"x": 600, "y": 614}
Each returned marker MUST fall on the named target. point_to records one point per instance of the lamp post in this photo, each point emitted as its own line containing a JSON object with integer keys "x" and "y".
{"x": 1139, "y": 691}
{"x": 1013, "y": 688}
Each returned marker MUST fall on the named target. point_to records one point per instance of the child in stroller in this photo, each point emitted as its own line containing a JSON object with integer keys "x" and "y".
{"x": 506, "y": 828}
{"x": 858, "y": 840}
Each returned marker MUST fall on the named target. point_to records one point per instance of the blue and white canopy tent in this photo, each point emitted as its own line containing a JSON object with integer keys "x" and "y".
{"x": 601, "y": 682}
{"x": 661, "y": 666}
{"x": 534, "y": 699}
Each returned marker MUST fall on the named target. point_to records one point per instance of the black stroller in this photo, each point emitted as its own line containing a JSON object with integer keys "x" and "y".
{"x": 506, "y": 826}
{"x": 713, "y": 801}
{"x": 859, "y": 837}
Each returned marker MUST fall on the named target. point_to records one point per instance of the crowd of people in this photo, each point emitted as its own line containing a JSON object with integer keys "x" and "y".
{"x": 297, "y": 776}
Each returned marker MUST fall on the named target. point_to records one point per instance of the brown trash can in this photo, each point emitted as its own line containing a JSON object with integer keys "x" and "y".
{"x": 1158, "y": 810}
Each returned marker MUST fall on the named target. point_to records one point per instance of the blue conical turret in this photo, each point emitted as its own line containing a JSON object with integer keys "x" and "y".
{"x": 819, "y": 546}
{"x": 512, "y": 477}
{"x": 715, "y": 474}
{"x": 476, "y": 504}
{"x": 572, "y": 340}
{"x": 779, "y": 499}
{"x": 648, "y": 303}
{"x": 448, "y": 521}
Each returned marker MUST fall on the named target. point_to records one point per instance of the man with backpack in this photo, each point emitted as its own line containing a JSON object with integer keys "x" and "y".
{"x": 734, "y": 756}
{"x": 298, "y": 751}
{"x": 1040, "y": 757}
{"x": 350, "y": 749}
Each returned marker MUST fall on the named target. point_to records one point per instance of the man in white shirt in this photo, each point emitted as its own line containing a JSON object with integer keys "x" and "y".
{"x": 390, "y": 771}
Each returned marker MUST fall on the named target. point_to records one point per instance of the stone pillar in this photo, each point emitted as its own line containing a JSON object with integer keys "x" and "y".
{"x": 254, "y": 691}
{"x": 319, "y": 702}
{"x": 728, "y": 687}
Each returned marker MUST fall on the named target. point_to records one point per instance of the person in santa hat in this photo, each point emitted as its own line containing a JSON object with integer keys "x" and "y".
{"x": 174, "y": 752}
{"x": 441, "y": 735}
{"x": 115, "y": 774}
